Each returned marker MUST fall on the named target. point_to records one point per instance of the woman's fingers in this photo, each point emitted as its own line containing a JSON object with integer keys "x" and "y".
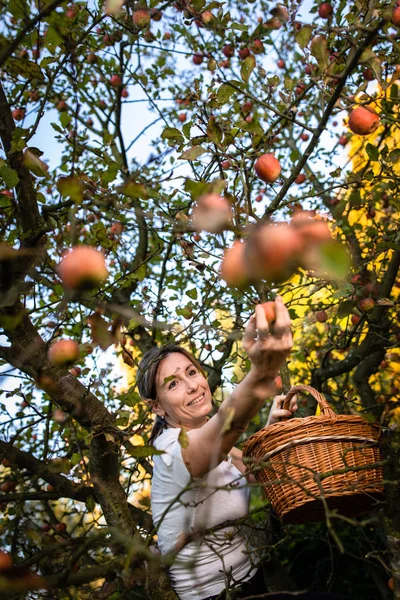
{"x": 250, "y": 333}
{"x": 262, "y": 322}
{"x": 282, "y": 323}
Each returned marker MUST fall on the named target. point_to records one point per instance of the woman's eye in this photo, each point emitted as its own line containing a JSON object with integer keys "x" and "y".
{"x": 172, "y": 385}
{"x": 192, "y": 372}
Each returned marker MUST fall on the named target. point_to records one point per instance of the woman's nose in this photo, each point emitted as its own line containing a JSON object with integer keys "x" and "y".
{"x": 192, "y": 385}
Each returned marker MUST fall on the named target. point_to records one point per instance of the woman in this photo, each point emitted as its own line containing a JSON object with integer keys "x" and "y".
{"x": 198, "y": 481}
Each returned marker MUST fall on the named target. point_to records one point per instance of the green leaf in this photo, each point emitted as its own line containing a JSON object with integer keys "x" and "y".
{"x": 75, "y": 458}
{"x": 195, "y": 188}
{"x": 9, "y": 176}
{"x": 372, "y": 152}
{"x": 170, "y": 133}
{"x": 90, "y": 503}
{"x": 18, "y": 67}
{"x": 225, "y": 91}
{"x": 71, "y": 187}
{"x": 394, "y": 155}
{"x": 192, "y": 153}
{"x": 214, "y": 131}
{"x": 142, "y": 451}
{"x": 319, "y": 49}
{"x": 192, "y": 293}
{"x": 183, "y": 438}
{"x": 303, "y": 36}
{"x": 65, "y": 119}
{"x": 334, "y": 260}
{"x": 247, "y": 67}
{"x": 133, "y": 189}
{"x": 346, "y": 308}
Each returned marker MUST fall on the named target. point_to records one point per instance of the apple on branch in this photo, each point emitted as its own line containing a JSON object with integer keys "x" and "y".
{"x": 63, "y": 352}
{"x": 82, "y": 267}
{"x": 212, "y": 213}
{"x": 363, "y": 120}
{"x": 268, "y": 168}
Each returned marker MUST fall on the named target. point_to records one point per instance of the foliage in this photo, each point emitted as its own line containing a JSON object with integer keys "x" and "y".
{"x": 218, "y": 92}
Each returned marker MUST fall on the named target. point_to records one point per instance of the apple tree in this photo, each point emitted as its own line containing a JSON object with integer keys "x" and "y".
{"x": 164, "y": 167}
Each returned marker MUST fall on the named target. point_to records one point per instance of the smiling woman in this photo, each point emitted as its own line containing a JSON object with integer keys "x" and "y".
{"x": 198, "y": 481}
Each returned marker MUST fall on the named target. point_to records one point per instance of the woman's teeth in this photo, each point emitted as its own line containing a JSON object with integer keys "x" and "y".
{"x": 196, "y": 400}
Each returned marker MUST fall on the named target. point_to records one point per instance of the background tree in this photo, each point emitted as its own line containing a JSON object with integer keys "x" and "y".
{"x": 224, "y": 84}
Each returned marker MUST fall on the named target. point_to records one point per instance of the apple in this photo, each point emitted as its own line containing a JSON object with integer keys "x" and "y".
{"x": 281, "y": 63}
{"x": 60, "y": 527}
{"x": 268, "y": 168}
{"x": 233, "y": 267}
{"x": 124, "y": 93}
{"x": 325, "y": 10}
{"x": 197, "y": 58}
{"x": 278, "y": 382}
{"x": 34, "y": 96}
{"x": 6, "y": 561}
{"x": 258, "y": 198}
{"x": 321, "y": 316}
{"x": 366, "y": 304}
{"x": 228, "y": 51}
{"x": 396, "y": 16}
{"x": 91, "y": 58}
{"x": 225, "y": 64}
{"x": 257, "y": 47}
{"x": 18, "y": 114}
{"x": 247, "y": 107}
{"x": 244, "y": 53}
{"x": 212, "y": 213}
{"x": 61, "y": 106}
{"x": 304, "y": 137}
{"x": 75, "y": 371}
{"x": 117, "y": 228}
{"x": 300, "y": 179}
{"x": 300, "y": 89}
{"x": 343, "y": 140}
{"x": 355, "y": 319}
{"x": 5, "y": 462}
{"x": 82, "y": 267}
{"x": 391, "y": 584}
{"x": 155, "y": 14}
{"x": 363, "y": 120}
{"x": 207, "y": 17}
{"x": 310, "y": 229}
{"x": 89, "y": 122}
{"x": 141, "y": 18}
{"x": 368, "y": 74}
{"x": 63, "y": 352}
{"x": 225, "y": 164}
{"x": 270, "y": 312}
{"x": 208, "y": 347}
{"x": 182, "y": 117}
{"x": 273, "y": 251}
{"x": 8, "y": 486}
{"x": 115, "y": 80}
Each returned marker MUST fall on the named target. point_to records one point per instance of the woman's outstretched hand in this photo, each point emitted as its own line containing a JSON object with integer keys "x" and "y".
{"x": 267, "y": 346}
{"x": 277, "y": 411}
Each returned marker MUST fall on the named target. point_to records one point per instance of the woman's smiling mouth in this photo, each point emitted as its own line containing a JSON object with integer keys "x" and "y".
{"x": 196, "y": 400}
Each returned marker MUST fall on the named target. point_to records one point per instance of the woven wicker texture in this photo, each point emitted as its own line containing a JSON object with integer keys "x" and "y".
{"x": 313, "y": 463}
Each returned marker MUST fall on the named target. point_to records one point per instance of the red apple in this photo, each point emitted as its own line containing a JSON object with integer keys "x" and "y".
{"x": 82, "y": 267}
{"x": 368, "y": 74}
{"x": 18, "y": 114}
{"x": 75, "y": 371}
{"x": 396, "y": 16}
{"x": 61, "y": 106}
{"x": 300, "y": 179}
{"x": 60, "y": 527}
{"x": 321, "y": 316}
{"x": 117, "y": 228}
{"x": 281, "y": 63}
{"x": 273, "y": 251}
{"x": 141, "y": 18}
{"x": 278, "y": 382}
{"x": 343, "y": 140}
{"x": 270, "y": 312}
{"x": 212, "y": 213}
{"x": 268, "y": 168}
{"x": 197, "y": 58}
{"x": 225, "y": 164}
{"x": 363, "y": 120}
{"x": 155, "y": 14}
{"x": 257, "y": 47}
{"x": 115, "y": 80}
{"x": 5, "y": 462}
{"x": 355, "y": 319}
{"x": 247, "y": 107}
{"x": 91, "y": 58}
{"x": 244, "y": 53}
{"x": 233, "y": 267}
{"x": 325, "y": 10}
{"x": 228, "y": 50}
{"x": 124, "y": 93}
{"x": 304, "y": 137}
{"x": 63, "y": 352}
{"x": 366, "y": 304}
{"x": 182, "y": 117}
{"x": 6, "y": 561}
{"x": 8, "y": 486}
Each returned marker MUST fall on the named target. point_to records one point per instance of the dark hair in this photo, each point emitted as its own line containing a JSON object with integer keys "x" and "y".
{"x": 147, "y": 376}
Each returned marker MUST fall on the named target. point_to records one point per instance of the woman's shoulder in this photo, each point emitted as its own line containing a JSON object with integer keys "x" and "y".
{"x": 167, "y": 437}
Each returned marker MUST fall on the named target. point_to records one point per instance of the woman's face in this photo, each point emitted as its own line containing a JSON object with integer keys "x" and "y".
{"x": 183, "y": 393}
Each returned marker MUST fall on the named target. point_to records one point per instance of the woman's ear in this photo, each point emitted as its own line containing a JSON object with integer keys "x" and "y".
{"x": 156, "y": 408}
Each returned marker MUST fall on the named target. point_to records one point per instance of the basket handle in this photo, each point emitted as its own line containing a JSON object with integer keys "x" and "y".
{"x": 323, "y": 403}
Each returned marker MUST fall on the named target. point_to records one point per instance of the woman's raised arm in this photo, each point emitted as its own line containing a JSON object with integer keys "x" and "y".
{"x": 267, "y": 348}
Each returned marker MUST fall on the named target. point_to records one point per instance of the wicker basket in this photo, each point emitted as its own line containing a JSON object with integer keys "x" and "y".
{"x": 312, "y": 464}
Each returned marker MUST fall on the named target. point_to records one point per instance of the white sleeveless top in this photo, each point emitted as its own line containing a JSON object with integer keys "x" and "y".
{"x": 182, "y": 505}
